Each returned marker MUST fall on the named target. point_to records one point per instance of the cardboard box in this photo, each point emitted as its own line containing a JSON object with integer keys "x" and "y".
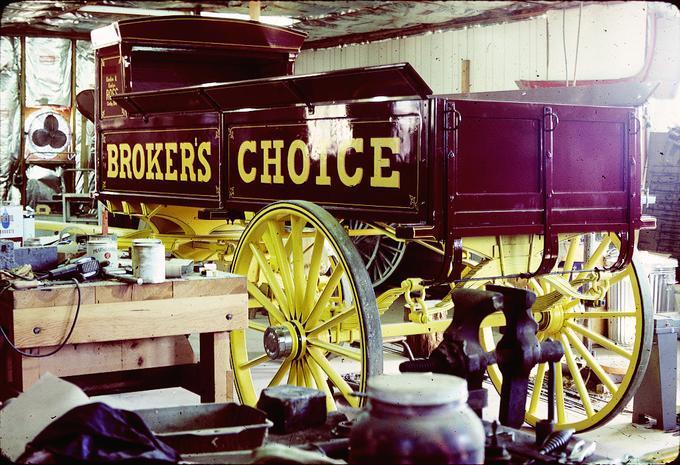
{"x": 11, "y": 222}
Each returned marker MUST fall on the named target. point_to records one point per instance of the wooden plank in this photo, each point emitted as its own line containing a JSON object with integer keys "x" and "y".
{"x": 52, "y": 296}
{"x": 156, "y": 352}
{"x": 214, "y": 368}
{"x": 39, "y": 327}
{"x": 205, "y": 287}
{"x": 110, "y": 294}
{"x": 465, "y": 76}
{"x": 92, "y": 358}
{"x": 80, "y": 359}
{"x": 152, "y": 291}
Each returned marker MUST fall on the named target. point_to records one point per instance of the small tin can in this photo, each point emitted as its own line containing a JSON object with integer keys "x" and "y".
{"x": 148, "y": 260}
{"x": 416, "y": 418}
{"x": 104, "y": 249}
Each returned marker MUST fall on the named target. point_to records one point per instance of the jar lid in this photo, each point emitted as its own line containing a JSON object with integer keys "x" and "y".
{"x": 417, "y": 389}
{"x": 146, "y": 241}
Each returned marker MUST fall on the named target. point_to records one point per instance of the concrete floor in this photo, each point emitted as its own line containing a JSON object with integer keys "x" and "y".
{"x": 618, "y": 438}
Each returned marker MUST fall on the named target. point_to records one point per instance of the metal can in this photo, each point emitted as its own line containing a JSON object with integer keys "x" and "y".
{"x": 148, "y": 260}
{"x": 416, "y": 418}
{"x": 104, "y": 249}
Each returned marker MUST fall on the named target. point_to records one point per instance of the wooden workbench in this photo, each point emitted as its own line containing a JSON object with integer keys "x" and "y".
{"x": 127, "y": 337}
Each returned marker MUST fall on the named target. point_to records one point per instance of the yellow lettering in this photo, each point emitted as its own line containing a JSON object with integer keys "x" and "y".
{"x": 187, "y": 156}
{"x": 111, "y": 161}
{"x": 378, "y": 180}
{"x": 205, "y": 174}
{"x": 298, "y": 145}
{"x": 346, "y": 179}
{"x": 170, "y": 150}
{"x": 246, "y": 146}
{"x": 154, "y": 168}
{"x": 125, "y": 155}
{"x": 267, "y": 161}
{"x": 138, "y": 161}
{"x": 322, "y": 179}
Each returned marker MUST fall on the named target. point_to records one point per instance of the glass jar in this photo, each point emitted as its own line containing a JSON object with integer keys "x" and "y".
{"x": 416, "y": 418}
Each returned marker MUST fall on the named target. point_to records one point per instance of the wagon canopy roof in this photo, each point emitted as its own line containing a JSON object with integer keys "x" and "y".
{"x": 199, "y": 32}
{"x": 389, "y": 81}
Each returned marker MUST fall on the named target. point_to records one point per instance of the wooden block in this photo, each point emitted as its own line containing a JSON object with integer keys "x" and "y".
{"x": 152, "y": 291}
{"x": 214, "y": 367}
{"x": 156, "y": 352}
{"x": 207, "y": 286}
{"x": 52, "y": 296}
{"x": 39, "y": 327}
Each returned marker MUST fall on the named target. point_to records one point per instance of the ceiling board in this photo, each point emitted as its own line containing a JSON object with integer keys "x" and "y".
{"x": 326, "y": 23}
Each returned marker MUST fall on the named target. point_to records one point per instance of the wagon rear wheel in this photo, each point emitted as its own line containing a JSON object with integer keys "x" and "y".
{"x": 321, "y": 319}
{"x": 380, "y": 253}
{"x": 607, "y": 341}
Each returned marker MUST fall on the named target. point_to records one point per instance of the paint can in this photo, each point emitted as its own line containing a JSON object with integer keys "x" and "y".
{"x": 148, "y": 260}
{"x": 104, "y": 249}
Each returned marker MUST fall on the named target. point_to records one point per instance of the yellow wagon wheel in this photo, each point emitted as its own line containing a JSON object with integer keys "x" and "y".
{"x": 605, "y": 326}
{"x": 305, "y": 273}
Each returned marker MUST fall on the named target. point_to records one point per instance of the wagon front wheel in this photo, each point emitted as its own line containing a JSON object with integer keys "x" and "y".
{"x": 604, "y": 322}
{"x": 320, "y": 326}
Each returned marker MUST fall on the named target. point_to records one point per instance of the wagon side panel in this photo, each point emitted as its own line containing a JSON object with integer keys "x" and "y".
{"x": 361, "y": 160}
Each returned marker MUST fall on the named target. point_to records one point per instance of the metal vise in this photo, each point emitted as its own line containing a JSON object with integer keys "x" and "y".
{"x": 517, "y": 352}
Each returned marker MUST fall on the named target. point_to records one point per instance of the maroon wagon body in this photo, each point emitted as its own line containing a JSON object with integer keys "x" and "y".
{"x": 371, "y": 144}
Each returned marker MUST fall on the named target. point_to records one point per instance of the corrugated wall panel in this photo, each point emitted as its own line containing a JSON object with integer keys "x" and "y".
{"x": 611, "y": 46}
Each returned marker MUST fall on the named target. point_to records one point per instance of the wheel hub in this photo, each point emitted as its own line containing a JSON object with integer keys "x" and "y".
{"x": 278, "y": 342}
{"x": 551, "y": 321}
{"x": 282, "y": 341}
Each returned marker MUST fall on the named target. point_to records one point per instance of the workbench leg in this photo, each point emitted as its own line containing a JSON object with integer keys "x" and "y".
{"x": 216, "y": 377}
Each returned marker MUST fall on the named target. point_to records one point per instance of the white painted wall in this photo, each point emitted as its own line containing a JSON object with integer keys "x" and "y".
{"x": 612, "y": 45}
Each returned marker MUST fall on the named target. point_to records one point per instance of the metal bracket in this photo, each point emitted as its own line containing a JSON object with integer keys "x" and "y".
{"x": 550, "y": 239}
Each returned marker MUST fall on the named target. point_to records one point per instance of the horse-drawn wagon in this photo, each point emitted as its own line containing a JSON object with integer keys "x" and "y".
{"x": 314, "y": 186}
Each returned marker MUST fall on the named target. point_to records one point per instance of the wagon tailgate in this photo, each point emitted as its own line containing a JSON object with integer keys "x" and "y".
{"x": 529, "y": 168}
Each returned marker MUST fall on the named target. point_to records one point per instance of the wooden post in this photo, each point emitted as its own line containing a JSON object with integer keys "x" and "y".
{"x": 22, "y": 116}
{"x": 465, "y": 76}
{"x": 214, "y": 367}
{"x": 254, "y": 8}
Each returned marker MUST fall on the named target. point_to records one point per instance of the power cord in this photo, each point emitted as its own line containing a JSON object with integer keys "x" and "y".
{"x": 60, "y": 346}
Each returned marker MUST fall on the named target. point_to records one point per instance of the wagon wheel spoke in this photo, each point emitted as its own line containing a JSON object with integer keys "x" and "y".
{"x": 536, "y": 393}
{"x": 313, "y": 274}
{"x": 292, "y": 373}
{"x": 254, "y": 362}
{"x": 325, "y": 296}
{"x": 576, "y": 376}
{"x": 336, "y": 349}
{"x": 280, "y": 373}
{"x": 592, "y": 363}
{"x": 332, "y": 321}
{"x": 257, "y": 326}
{"x": 321, "y": 384}
{"x": 274, "y": 311}
{"x": 272, "y": 280}
{"x": 334, "y": 376}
